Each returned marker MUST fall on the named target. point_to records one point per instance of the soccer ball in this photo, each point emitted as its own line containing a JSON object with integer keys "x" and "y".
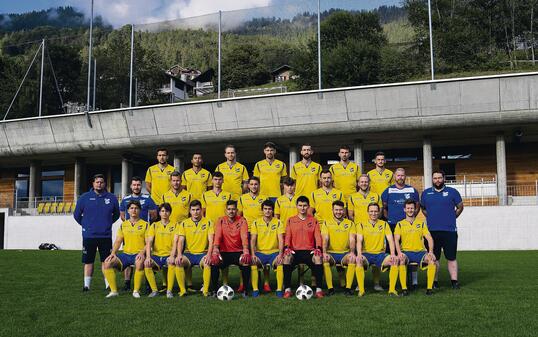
{"x": 304, "y": 292}
{"x": 225, "y": 293}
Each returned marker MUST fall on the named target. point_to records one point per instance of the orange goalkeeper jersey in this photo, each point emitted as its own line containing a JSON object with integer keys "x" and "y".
{"x": 303, "y": 234}
{"x": 231, "y": 235}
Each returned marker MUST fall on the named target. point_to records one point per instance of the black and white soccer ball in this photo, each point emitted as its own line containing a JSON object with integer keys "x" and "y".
{"x": 225, "y": 293}
{"x": 304, "y": 292}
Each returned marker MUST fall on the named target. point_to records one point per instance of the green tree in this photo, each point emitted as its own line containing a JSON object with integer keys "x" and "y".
{"x": 242, "y": 66}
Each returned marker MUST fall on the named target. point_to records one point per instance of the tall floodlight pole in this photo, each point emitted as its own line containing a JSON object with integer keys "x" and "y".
{"x": 431, "y": 38}
{"x": 219, "y": 60}
{"x": 319, "y": 46}
{"x": 41, "y": 77}
{"x": 131, "y": 68}
{"x": 89, "y": 68}
{"x": 94, "y": 82}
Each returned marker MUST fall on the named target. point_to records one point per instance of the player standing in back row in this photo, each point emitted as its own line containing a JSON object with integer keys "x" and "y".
{"x": 196, "y": 180}
{"x": 158, "y": 177}
{"x": 235, "y": 174}
{"x": 345, "y": 173}
{"x": 306, "y": 172}
{"x": 380, "y": 177}
{"x": 270, "y": 171}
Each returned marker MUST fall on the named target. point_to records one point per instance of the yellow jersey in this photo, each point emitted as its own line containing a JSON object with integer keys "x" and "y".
{"x": 180, "y": 204}
{"x": 159, "y": 180}
{"x": 322, "y": 202}
{"x": 359, "y": 204}
{"x": 285, "y": 208}
{"x": 251, "y": 207}
{"x": 215, "y": 205}
{"x": 373, "y": 236}
{"x": 270, "y": 175}
{"x": 233, "y": 178}
{"x": 306, "y": 177}
{"x": 267, "y": 240}
{"x": 133, "y": 235}
{"x": 345, "y": 178}
{"x": 412, "y": 235}
{"x": 380, "y": 181}
{"x": 163, "y": 237}
{"x": 338, "y": 233}
{"x": 196, "y": 183}
{"x": 196, "y": 234}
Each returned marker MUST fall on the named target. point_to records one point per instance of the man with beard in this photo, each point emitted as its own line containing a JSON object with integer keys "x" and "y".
{"x": 345, "y": 173}
{"x": 196, "y": 180}
{"x": 158, "y": 176}
{"x": 442, "y": 205}
{"x": 235, "y": 174}
{"x": 270, "y": 171}
{"x": 380, "y": 177}
{"x": 306, "y": 172}
{"x": 322, "y": 198}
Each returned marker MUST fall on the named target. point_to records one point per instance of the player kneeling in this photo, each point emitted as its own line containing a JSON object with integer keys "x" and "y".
{"x": 231, "y": 245}
{"x": 371, "y": 237}
{"x": 160, "y": 239}
{"x": 302, "y": 246}
{"x": 338, "y": 236}
{"x": 412, "y": 232}
{"x": 194, "y": 239}
{"x": 132, "y": 234}
{"x": 267, "y": 245}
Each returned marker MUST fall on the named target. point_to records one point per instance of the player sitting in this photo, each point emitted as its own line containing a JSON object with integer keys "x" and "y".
{"x": 193, "y": 237}
{"x": 337, "y": 234}
{"x": 371, "y": 237}
{"x": 132, "y": 234}
{"x": 267, "y": 245}
{"x": 160, "y": 239}
{"x": 412, "y": 233}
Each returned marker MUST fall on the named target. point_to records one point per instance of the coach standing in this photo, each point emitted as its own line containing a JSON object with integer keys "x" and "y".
{"x": 96, "y": 211}
{"x": 442, "y": 205}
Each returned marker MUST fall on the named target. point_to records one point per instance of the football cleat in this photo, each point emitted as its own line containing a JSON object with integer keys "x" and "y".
{"x": 169, "y": 294}
{"x": 377, "y": 287}
{"x": 153, "y": 294}
{"x": 112, "y": 294}
{"x": 319, "y": 294}
{"x": 279, "y": 294}
{"x": 127, "y": 286}
{"x": 455, "y": 285}
{"x": 435, "y": 284}
{"x": 393, "y": 294}
{"x": 255, "y": 293}
{"x": 241, "y": 288}
{"x": 85, "y": 289}
{"x": 404, "y": 293}
{"x": 429, "y": 292}
{"x": 266, "y": 288}
{"x": 288, "y": 294}
{"x": 348, "y": 292}
{"x": 330, "y": 292}
{"x": 136, "y": 294}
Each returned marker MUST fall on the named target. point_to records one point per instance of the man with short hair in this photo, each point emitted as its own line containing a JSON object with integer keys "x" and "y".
{"x": 306, "y": 172}
{"x": 345, "y": 173}
{"x": 322, "y": 199}
{"x": 412, "y": 233}
{"x": 267, "y": 247}
{"x": 148, "y": 214}
{"x": 214, "y": 200}
{"x": 380, "y": 177}
{"x": 286, "y": 204}
{"x": 96, "y": 211}
{"x": 132, "y": 235}
{"x": 196, "y": 180}
{"x": 231, "y": 245}
{"x": 338, "y": 236}
{"x": 235, "y": 175}
{"x": 270, "y": 171}
{"x": 302, "y": 245}
{"x": 249, "y": 205}
{"x": 371, "y": 238}
{"x": 158, "y": 176}
{"x": 179, "y": 199}
{"x": 442, "y": 205}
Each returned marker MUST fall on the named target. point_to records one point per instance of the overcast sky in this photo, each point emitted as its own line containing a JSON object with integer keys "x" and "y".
{"x": 119, "y": 12}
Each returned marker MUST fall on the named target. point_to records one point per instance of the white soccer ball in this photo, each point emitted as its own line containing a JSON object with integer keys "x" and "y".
{"x": 225, "y": 293}
{"x": 304, "y": 292}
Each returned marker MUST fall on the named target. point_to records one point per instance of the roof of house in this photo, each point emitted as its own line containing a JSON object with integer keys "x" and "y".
{"x": 280, "y": 69}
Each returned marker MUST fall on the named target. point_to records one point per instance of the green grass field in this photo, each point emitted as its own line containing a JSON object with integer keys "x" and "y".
{"x": 41, "y": 296}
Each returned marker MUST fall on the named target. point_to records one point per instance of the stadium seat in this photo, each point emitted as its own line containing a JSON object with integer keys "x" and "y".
{"x": 53, "y": 207}
{"x": 60, "y": 208}
{"x": 40, "y": 207}
{"x": 46, "y": 208}
{"x": 73, "y": 205}
{"x": 67, "y": 207}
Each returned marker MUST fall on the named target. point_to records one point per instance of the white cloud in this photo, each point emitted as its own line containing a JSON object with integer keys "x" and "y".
{"x": 121, "y": 12}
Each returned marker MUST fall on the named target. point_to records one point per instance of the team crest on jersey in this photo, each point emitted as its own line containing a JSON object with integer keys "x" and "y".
{"x": 273, "y": 227}
{"x": 372, "y": 199}
{"x": 407, "y": 196}
{"x": 203, "y": 175}
{"x": 203, "y": 227}
{"x": 418, "y": 225}
{"x": 169, "y": 173}
{"x": 334, "y": 196}
{"x": 387, "y": 175}
{"x": 140, "y": 227}
{"x": 107, "y": 201}
{"x": 380, "y": 227}
{"x": 351, "y": 169}
{"x": 142, "y": 202}
{"x": 237, "y": 169}
{"x": 313, "y": 169}
{"x": 310, "y": 224}
{"x": 223, "y": 197}
{"x": 183, "y": 198}
{"x": 277, "y": 165}
{"x": 445, "y": 194}
{"x": 260, "y": 201}
{"x": 171, "y": 229}
{"x": 346, "y": 226}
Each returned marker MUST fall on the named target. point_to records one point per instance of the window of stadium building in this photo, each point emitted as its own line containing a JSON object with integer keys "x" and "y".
{"x": 52, "y": 183}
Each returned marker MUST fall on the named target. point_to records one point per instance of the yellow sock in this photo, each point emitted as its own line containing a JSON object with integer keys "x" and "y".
{"x": 254, "y": 277}
{"x": 170, "y": 277}
{"x": 403, "y": 276}
{"x": 149, "y": 276}
{"x": 279, "y": 277}
{"x": 350, "y": 275}
{"x": 393, "y": 277}
{"x": 328, "y": 275}
{"x": 207, "y": 279}
{"x": 376, "y": 274}
{"x": 266, "y": 276}
{"x": 180, "y": 275}
{"x": 188, "y": 276}
{"x": 110, "y": 276}
{"x": 430, "y": 272}
{"x": 225, "y": 276}
{"x": 359, "y": 271}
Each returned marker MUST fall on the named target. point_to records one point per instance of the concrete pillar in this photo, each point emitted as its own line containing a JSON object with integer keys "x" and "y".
{"x": 294, "y": 154}
{"x": 358, "y": 154}
{"x": 34, "y": 181}
{"x": 501, "y": 170}
{"x": 125, "y": 176}
{"x": 427, "y": 158}
{"x": 79, "y": 177}
{"x": 179, "y": 161}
